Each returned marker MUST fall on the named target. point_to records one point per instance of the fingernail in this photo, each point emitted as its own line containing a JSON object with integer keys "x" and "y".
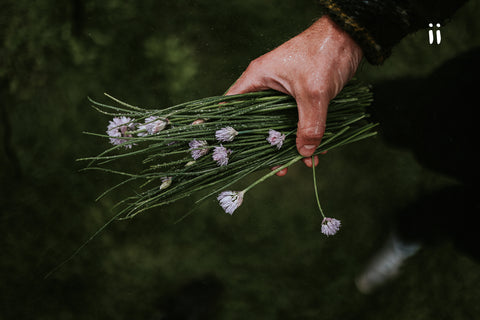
{"x": 307, "y": 150}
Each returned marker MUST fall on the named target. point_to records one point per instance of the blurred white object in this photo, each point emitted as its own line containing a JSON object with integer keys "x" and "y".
{"x": 386, "y": 264}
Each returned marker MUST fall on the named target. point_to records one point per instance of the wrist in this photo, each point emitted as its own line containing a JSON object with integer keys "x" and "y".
{"x": 326, "y": 26}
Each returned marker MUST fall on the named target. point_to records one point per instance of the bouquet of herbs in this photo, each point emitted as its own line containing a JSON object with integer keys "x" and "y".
{"x": 209, "y": 145}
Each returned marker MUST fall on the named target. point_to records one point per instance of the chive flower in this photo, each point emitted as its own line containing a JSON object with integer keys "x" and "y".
{"x": 151, "y": 126}
{"x": 230, "y": 200}
{"x": 198, "y": 121}
{"x": 190, "y": 163}
{"x": 226, "y": 134}
{"x": 166, "y": 182}
{"x": 120, "y": 127}
{"x": 275, "y": 138}
{"x": 330, "y": 226}
{"x": 220, "y": 155}
{"x": 198, "y": 148}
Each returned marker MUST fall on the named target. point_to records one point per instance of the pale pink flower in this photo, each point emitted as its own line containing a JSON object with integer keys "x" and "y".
{"x": 151, "y": 126}
{"x": 220, "y": 155}
{"x": 190, "y": 163}
{"x": 226, "y": 134}
{"x": 198, "y": 148}
{"x": 275, "y": 138}
{"x": 120, "y": 127}
{"x": 166, "y": 182}
{"x": 330, "y": 226}
{"x": 198, "y": 121}
{"x": 230, "y": 200}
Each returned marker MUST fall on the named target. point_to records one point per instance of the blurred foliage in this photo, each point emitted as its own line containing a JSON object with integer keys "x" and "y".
{"x": 269, "y": 261}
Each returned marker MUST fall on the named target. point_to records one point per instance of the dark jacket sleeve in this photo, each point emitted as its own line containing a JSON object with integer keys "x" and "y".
{"x": 377, "y": 25}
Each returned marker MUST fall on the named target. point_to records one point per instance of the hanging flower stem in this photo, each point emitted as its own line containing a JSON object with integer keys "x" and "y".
{"x": 273, "y": 172}
{"x": 315, "y": 187}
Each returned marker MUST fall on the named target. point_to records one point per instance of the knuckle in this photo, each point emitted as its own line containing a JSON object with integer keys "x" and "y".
{"x": 318, "y": 93}
{"x": 318, "y": 87}
{"x": 312, "y": 132}
{"x": 253, "y": 65}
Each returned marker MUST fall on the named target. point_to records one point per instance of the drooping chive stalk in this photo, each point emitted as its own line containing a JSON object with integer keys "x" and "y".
{"x": 330, "y": 226}
{"x": 315, "y": 187}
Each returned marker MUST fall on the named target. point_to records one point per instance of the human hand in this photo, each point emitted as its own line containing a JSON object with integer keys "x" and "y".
{"x": 312, "y": 67}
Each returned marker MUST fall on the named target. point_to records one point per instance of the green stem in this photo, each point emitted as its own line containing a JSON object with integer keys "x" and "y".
{"x": 271, "y": 173}
{"x": 315, "y": 187}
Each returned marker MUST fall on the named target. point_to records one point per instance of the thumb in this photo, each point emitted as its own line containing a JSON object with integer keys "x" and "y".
{"x": 243, "y": 85}
{"x": 312, "y": 115}
{"x": 248, "y": 82}
{"x": 238, "y": 87}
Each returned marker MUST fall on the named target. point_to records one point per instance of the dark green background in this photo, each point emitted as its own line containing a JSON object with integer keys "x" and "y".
{"x": 267, "y": 261}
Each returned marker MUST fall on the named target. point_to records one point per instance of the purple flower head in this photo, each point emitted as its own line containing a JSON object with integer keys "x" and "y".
{"x": 151, "y": 126}
{"x": 330, "y": 226}
{"x": 226, "y": 134}
{"x": 230, "y": 200}
{"x": 120, "y": 127}
{"x": 198, "y": 148}
{"x": 166, "y": 182}
{"x": 220, "y": 154}
{"x": 275, "y": 138}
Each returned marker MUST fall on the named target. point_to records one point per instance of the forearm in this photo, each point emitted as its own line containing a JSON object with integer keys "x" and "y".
{"x": 378, "y": 25}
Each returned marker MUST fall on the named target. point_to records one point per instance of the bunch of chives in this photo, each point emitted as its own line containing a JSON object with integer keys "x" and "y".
{"x": 212, "y": 143}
